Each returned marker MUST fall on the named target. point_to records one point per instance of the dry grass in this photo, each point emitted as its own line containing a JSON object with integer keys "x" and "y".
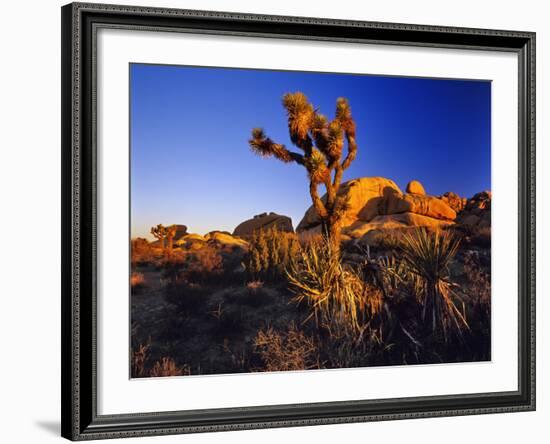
{"x": 254, "y": 285}
{"x": 138, "y": 360}
{"x": 203, "y": 264}
{"x": 137, "y": 280}
{"x": 291, "y": 350}
{"x": 341, "y": 301}
{"x": 167, "y": 367}
{"x": 163, "y": 367}
{"x": 142, "y": 252}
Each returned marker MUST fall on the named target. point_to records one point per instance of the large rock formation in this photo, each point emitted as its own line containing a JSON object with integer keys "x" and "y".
{"x": 456, "y": 202}
{"x": 181, "y": 231}
{"x": 376, "y": 203}
{"x": 262, "y": 222}
{"x": 394, "y": 221}
{"x": 191, "y": 241}
{"x": 477, "y": 211}
{"x": 364, "y": 198}
{"x": 396, "y": 203}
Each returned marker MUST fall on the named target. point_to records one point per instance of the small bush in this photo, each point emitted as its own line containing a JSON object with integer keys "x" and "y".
{"x": 203, "y": 265}
{"x": 167, "y": 367}
{"x": 270, "y": 252}
{"x": 141, "y": 252}
{"x": 291, "y": 350}
{"x": 137, "y": 280}
{"x": 138, "y": 360}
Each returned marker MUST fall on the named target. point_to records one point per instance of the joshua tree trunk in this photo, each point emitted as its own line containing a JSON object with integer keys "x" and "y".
{"x": 332, "y": 232}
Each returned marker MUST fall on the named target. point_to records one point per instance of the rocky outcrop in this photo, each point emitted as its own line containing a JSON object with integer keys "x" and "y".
{"x": 364, "y": 197}
{"x": 394, "y": 221}
{"x": 430, "y": 206}
{"x": 262, "y": 222}
{"x": 477, "y": 211}
{"x": 377, "y": 203}
{"x": 224, "y": 239}
{"x": 456, "y": 202}
{"x": 191, "y": 241}
{"x": 181, "y": 231}
{"x": 415, "y": 187}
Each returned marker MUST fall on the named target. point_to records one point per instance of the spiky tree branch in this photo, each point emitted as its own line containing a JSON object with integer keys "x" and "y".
{"x": 159, "y": 232}
{"x": 322, "y": 143}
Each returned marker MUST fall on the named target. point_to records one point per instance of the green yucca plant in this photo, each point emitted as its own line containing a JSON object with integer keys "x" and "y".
{"x": 427, "y": 254}
{"x": 341, "y": 301}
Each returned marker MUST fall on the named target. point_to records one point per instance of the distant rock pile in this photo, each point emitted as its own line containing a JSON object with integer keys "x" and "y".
{"x": 181, "y": 231}
{"x": 263, "y": 221}
{"x": 477, "y": 211}
{"x": 456, "y": 202}
{"x": 377, "y": 203}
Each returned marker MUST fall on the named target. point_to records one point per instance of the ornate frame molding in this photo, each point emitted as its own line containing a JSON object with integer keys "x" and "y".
{"x": 79, "y": 395}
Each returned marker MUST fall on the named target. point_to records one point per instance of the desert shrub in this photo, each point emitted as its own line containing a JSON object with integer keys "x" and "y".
{"x": 203, "y": 265}
{"x": 290, "y": 350}
{"x": 270, "y": 252}
{"x": 189, "y": 298}
{"x": 138, "y": 359}
{"x": 164, "y": 367}
{"x": 167, "y": 367}
{"x": 256, "y": 294}
{"x": 480, "y": 289}
{"x": 141, "y": 252}
{"x": 137, "y": 280}
{"x": 340, "y": 300}
{"x": 427, "y": 254}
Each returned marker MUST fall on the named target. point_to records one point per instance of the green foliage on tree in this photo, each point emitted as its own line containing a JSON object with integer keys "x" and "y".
{"x": 321, "y": 144}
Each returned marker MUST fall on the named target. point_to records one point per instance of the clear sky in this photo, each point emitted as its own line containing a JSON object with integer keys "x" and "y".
{"x": 191, "y": 163}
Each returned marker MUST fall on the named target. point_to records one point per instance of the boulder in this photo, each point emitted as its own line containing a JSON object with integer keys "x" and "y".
{"x": 477, "y": 211}
{"x": 181, "y": 231}
{"x": 224, "y": 239}
{"x": 415, "y": 187}
{"x": 396, "y": 203}
{"x": 262, "y": 222}
{"x": 392, "y": 222}
{"x": 456, "y": 202}
{"x": 191, "y": 241}
{"x": 364, "y": 198}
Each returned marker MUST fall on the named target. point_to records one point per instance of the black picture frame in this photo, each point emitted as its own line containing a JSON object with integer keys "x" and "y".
{"x": 80, "y": 420}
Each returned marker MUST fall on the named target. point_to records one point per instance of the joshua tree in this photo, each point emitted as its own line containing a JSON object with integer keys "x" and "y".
{"x": 160, "y": 232}
{"x": 170, "y": 233}
{"x": 321, "y": 143}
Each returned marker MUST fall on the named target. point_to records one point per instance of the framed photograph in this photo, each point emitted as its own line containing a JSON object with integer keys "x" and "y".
{"x": 278, "y": 221}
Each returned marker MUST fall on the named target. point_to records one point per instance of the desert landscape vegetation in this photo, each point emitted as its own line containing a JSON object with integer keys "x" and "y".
{"x": 372, "y": 275}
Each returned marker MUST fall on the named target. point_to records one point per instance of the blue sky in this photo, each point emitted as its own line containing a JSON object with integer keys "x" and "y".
{"x": 191, "y": 163}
